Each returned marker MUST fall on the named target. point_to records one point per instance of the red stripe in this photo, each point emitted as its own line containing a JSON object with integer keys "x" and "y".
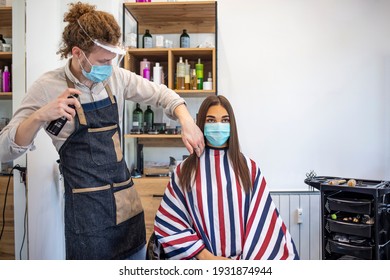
{"x": 285, "y": 249}
{"x": 253, "y": 167}
{"x": 182, "y": 240}
{"x": 255, "y": 210}
{"x": 220, "y": 202}
{"x": 268, "y": 237}
{"x": 167, "y": 214}
{"x": 199, "y": 195}
{"x": 240, "y": 209}
{"x": 160, "y": 232}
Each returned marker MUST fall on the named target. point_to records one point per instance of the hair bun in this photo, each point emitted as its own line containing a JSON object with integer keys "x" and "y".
{"x": 76, "y": 10}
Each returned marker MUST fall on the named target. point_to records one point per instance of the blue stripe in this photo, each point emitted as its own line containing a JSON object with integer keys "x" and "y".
{"x": 278, "y": 242}
{"x": 210, "y": 198}
{"x": 177, "y": 190}
{"x": 259, "y": 229}
{"x": 174, "y": 208}
{"x": 231, "y": 205}
{"x": 92, "y": 106}
{"x": 167, "y": 224}
{"x": 178, "y": 251}
{"x": 198, "y": 222}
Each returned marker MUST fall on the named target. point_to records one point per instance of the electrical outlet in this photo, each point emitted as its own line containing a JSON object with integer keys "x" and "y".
{"x": 299, "y": 215}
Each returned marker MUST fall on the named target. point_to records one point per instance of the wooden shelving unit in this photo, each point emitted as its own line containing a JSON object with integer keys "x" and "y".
{"x": 5, "y": 57}
{"x": 170, "y": 17}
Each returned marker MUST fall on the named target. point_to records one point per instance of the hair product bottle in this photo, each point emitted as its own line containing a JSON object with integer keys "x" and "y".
{"x": 6, "y": 80}
{"x": 187, "y": 75}
{"x": 147, "y": 40}
{"x": 199, "y": 74}
{"x": 157, "y": 73}
{"x": 56, "y": 126}
{"x": 208, "y": 85}
{"x": 1, "y": 79}
{"x": 148, "y": 119}
{"x": 194, "y": 80}
{"x": 184, "y": 39}
{"x": 144, "y": 63}
{"x": 180, "y": 74}
{"x": 146, "y": 73}
{"x": 138, "y": 117}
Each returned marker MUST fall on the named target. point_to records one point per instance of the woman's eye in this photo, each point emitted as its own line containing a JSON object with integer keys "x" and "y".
{"x": 210, "y": 120}
{"x": 226, "y": 120}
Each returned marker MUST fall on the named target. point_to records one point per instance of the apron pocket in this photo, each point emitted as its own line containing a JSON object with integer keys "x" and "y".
{"x": 104, "y": 145}
{"x": 93, "y": 208}
{"x": 127, "y": 202}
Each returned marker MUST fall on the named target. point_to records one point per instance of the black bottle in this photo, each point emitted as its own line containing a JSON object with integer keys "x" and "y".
{"x": 2, "y": 39}
{"x": 55, "y": 126}
{"x": 148, "y": 119}
{"x": 147, "y": 40}
{"x": 138, "y": 118}
{"x": 184, "y": 39}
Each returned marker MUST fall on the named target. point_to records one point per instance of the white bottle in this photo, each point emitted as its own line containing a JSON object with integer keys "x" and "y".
{"x": 180, "y": 74}
{"x": 157, "y": 73}
{"x": 209, "y": 84}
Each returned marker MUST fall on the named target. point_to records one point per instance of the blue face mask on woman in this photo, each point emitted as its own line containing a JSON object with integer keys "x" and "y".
{"x": 217, "y": 133}
{"x": 98, "y": 73}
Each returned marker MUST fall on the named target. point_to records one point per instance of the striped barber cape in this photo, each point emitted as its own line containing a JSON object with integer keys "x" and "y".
{"x": 218, "y": 215}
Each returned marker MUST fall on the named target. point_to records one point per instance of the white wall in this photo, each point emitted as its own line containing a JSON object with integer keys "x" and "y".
{"x": 308, "y": 80}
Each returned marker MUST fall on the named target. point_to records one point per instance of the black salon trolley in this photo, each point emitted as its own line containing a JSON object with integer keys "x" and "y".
{"x": 355, "y": 220}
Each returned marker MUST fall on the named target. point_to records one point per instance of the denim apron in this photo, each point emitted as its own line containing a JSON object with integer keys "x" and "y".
{"x": 104, "y": 218}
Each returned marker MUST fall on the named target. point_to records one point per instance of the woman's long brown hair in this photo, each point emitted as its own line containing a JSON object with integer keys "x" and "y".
{"x": 189, "y": 168}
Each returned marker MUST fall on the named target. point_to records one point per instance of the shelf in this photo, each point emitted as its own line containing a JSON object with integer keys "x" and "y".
{"x": 6, "y": 21}
{"x": 159, "y": 140}
{"x": 172, "y": 17}
{"x": 5, "y": 95}
{"x": 152, "y": 136}
{"x": 168, "y": 59}
{"x": 5, "y": 55}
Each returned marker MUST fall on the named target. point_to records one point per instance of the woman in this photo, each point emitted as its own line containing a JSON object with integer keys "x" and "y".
{"x": 217, "y": 206}
{"x": 103, "y": 213}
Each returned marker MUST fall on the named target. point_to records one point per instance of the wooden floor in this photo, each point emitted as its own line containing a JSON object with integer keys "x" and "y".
{"x": 7, "y": 242}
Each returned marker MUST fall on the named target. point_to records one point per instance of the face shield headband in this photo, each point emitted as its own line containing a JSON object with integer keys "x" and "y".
{"x": 119, "y": 50}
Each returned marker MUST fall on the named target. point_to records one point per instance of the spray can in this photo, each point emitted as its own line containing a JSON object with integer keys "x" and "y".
{"x": 6, "y": 80}
{"x": 55, "y": 126}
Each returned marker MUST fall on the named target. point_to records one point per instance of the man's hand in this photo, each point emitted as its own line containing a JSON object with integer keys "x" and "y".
{"x": 191, "y": 135}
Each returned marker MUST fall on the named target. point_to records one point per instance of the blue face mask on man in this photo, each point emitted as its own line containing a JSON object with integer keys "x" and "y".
{"x": 217, "y": 133}
{"x": 98, "y": 73}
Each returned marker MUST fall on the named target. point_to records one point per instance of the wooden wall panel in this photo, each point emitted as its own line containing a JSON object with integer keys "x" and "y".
{"x": 7, "y": 242}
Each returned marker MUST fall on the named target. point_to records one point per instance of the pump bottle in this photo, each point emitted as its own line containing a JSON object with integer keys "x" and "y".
{"x": 180, "y": 74}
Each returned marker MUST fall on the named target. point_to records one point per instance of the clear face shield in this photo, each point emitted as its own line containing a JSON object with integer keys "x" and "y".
{"x": 119, "y": 49}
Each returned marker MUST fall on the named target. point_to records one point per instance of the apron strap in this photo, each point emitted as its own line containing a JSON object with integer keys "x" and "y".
{"x": 80, "y": 111}
{"x": 108, "y": 89}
